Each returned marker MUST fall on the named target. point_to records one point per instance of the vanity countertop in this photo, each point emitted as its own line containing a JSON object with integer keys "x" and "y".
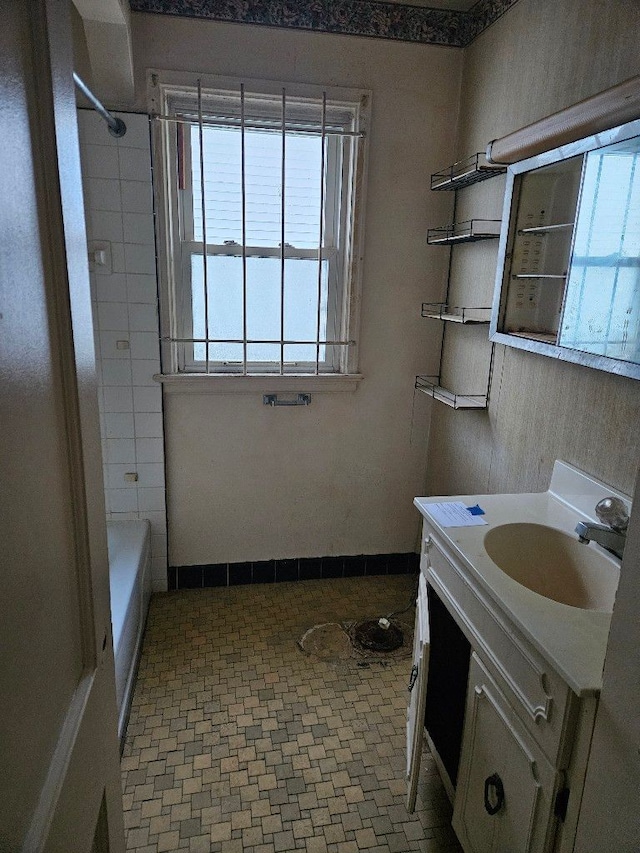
{"x": 573, "y": 640}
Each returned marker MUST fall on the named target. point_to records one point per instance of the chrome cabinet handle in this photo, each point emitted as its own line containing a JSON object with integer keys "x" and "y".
{"x": 413, "y": 677}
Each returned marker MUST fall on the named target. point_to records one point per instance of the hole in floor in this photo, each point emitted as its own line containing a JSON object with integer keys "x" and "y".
{"x": 364, "y": 641}
{"x": 378, "y": 635}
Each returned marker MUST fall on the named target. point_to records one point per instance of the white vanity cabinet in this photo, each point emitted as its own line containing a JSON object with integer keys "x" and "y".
{"x": 506, "y": 787}
{"x": 417, "y": 693}
{"x": 526, "y": 734}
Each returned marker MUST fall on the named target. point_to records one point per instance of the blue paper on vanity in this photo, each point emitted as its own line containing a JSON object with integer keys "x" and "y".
{"x": 453, "y": 514}
{"x": 475, "y": 510}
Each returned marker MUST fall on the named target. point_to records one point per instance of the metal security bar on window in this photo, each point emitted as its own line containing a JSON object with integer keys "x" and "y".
{"x": 601, "y": 312}
{"x": 261, "y": 246}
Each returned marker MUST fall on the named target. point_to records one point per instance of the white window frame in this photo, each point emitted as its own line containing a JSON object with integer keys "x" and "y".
{"x": 171, "y": 94}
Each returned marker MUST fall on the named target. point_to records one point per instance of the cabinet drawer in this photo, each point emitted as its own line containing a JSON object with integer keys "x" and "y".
{"x": 540, "y": 697}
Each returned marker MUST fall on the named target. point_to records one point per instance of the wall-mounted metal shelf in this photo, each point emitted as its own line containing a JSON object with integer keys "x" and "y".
{"x": 464, "y": 232}
{"x": 549, "y": 276}
{"x": 459, "y": 175}
{"x": 546, "y": 229}
{"x": 546, "y": 337}
{"x": 455, "y": 313}
{"x": 430, "y": 385}
{"x": 466, "y": 172}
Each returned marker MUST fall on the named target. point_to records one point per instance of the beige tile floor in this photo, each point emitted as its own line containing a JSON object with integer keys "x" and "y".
{"x": 238, "y": 741}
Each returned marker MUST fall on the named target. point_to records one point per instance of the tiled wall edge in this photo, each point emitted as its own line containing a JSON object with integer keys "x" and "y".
{"x": 296, "y": 569}
{"x": 118, "y": 199}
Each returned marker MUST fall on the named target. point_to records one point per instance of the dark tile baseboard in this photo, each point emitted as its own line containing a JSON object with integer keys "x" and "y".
{"x": 298, "y": 569}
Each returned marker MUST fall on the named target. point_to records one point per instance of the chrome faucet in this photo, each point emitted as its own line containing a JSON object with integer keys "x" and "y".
{"x": 612, "y": 533}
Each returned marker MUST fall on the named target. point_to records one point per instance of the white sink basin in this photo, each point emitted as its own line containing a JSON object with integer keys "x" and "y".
{"x": 554, "y": 564}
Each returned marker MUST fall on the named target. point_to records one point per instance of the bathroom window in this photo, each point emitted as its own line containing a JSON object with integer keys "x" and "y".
{"x": 261, "y": 228}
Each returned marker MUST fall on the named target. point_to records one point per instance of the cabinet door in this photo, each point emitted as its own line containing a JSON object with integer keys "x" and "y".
{"x": 417, "y": 694}
{"x": 504, "y": 799}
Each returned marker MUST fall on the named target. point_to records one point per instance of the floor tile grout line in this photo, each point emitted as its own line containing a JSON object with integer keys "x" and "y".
{"x": 239, "y": 742}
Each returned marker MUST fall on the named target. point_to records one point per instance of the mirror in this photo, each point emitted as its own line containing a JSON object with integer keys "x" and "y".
{"x": 602, "y": 303}
{"x": 568, "y": 281}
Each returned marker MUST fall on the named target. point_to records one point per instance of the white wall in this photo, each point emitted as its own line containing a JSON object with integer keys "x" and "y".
{"x": 541, "y": 56}
{"x": 610, "y": 814}
{"x": 119, "y": 210}
{"x": 246, "y": 482}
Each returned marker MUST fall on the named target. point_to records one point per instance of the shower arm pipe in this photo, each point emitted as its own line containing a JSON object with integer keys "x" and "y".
{"x": 117, "y": 127}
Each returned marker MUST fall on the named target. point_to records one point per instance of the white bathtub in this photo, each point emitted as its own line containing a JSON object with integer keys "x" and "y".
{"x": 130, "y": 582}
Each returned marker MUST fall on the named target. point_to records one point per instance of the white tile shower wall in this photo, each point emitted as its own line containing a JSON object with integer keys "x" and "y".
{"x": 119, "y": 205}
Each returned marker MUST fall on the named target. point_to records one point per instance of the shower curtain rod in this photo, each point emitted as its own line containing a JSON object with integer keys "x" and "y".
{"x": 117, "y": 127}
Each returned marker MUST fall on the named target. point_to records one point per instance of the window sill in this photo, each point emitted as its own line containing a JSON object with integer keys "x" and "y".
{"x": 203, "y": 383}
